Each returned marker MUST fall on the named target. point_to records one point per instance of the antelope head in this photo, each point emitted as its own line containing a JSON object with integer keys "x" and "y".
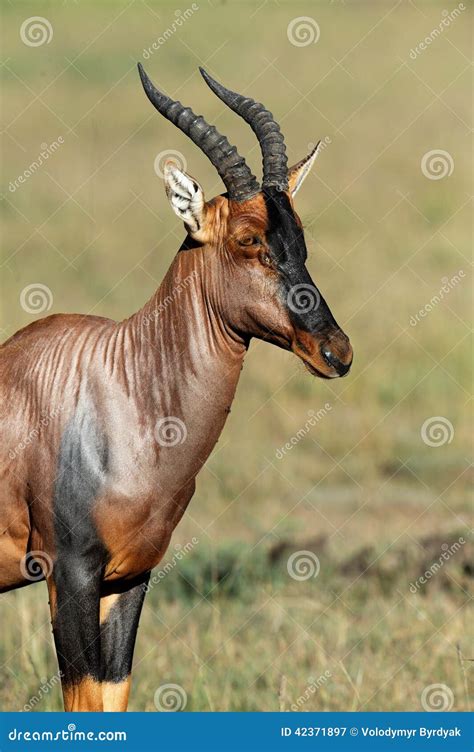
{"x": 251, "y": 236}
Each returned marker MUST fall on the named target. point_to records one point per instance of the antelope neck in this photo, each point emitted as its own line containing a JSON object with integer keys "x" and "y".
{"x": 181, "y": 340}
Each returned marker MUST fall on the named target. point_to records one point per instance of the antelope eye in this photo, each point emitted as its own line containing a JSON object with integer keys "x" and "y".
{"x": 250, "y": 240}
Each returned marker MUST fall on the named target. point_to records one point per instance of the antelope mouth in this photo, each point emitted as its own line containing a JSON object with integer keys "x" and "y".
{"x": 323, "y": 363}
{"x": 315, "y": 371}
{"x": 314, "y": 364}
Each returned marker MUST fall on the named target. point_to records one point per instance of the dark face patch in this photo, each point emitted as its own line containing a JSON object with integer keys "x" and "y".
{"x": 288, "y": 251}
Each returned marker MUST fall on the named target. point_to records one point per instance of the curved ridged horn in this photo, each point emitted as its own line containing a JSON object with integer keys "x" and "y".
{"x": 232, "y": 168}
{"x": 263, "y": 124}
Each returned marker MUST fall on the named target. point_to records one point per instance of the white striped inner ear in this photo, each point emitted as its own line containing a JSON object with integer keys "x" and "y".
{"x": 185, "y": 196}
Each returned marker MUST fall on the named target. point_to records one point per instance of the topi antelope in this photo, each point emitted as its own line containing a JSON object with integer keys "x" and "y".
{"x": 135, "y": 408}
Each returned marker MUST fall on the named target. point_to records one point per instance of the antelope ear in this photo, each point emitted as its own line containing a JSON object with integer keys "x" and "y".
{"x": 186, "y": 198}
{"x": 299, "y": 171}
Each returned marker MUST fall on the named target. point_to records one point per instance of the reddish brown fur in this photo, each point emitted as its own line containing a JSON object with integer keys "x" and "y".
{"x": 180, "y": 355}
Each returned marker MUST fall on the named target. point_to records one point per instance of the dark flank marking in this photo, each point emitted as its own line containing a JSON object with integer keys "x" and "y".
{"x": 288, "y": 251}
{"x": 81, "y": 556}
{"x": 119, "y": 631}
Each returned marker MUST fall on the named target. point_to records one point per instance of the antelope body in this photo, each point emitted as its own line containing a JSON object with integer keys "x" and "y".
{"x": 135, "y": 408}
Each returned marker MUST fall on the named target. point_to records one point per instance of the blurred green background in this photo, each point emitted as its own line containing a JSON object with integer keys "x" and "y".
{"x": 361, "y": 490}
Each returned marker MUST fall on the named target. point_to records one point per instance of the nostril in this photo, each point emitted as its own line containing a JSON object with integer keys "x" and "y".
{"x": 333, "y": 361}
{"x": 330, "y": 358}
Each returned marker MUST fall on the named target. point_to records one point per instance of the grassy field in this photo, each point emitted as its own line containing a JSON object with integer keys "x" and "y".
{"x": 360, "y": 490}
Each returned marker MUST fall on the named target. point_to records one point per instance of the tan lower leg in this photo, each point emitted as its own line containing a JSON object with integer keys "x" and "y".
{"x": 86, "y": 695}
{"x": 115, "y": 695}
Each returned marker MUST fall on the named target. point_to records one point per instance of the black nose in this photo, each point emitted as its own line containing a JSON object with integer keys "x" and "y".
{"x": 333, "y": 361}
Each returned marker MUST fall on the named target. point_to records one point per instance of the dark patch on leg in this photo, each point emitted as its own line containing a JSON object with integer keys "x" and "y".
{"x": 76, "y": 623}
{"x": 82, "y": 467}
{"x": 81, "y": 556}
{"x": 119, "y": 631}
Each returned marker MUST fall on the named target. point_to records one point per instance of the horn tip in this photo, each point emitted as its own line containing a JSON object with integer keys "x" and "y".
{"x": 142, "y": 74}
{"x": 211, "y": 82}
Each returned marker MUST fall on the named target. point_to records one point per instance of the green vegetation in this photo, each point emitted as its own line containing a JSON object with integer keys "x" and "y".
{"x": 361, "y": 489}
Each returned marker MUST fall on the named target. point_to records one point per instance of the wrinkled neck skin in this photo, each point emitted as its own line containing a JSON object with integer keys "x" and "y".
{"x": 187, "y": 358}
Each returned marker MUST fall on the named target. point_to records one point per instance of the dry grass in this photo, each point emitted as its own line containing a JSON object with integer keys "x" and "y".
{"x": 381, "y": 236}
